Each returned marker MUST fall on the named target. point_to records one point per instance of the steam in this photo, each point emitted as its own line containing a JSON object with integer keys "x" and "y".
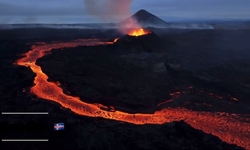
{"x": 112, "y": 10}
{"x": 108, "y": 10}
{"x": 18, "y": 20}
{"x": 29, "y": 19}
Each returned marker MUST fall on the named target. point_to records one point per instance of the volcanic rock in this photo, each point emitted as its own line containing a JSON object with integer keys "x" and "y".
{"x": 145, "y": 19}
{"x": 145, "y": 43}
{"x": 86, "y": 67}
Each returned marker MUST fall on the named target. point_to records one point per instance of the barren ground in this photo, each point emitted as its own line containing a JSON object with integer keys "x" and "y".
{"x": 210, "y": 69}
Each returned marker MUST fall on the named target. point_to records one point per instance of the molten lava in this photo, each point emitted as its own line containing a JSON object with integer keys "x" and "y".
{"x": 138, "y": 32}
{"x": 116, "y": 40}
{"x": 228, "y": 127}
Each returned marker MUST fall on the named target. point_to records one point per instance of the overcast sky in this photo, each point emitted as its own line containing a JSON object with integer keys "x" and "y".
{"x": 53, "y": 11}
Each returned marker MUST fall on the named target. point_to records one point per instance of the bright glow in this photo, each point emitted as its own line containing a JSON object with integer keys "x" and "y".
{"x": 138, "y": 32}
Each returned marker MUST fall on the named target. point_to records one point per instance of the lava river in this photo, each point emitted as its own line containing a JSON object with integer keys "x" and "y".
{"x": 230, "y": 128}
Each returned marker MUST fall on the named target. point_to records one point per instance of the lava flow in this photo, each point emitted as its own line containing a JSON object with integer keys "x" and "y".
{"x": 223, "y": 125}
{"x": 138, "y": 32}
{"x": 116, "y": 39}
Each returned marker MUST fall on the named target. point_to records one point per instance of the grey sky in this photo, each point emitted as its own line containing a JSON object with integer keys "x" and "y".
{"x": 72, "y": 10}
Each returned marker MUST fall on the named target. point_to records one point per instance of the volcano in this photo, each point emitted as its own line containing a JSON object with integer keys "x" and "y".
{"x": 149, "y": 42}
{"x": 145, "y": 19}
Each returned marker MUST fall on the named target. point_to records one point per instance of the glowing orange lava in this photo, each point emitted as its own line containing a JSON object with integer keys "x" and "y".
{"x": 138, "y": 32}
{"x": 116, "y": 39}
{"x": 220, "y": 124}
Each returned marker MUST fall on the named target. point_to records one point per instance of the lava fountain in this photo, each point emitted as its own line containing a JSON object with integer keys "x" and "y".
{"x": 135, "y": 32}
{"x": 231, "y": 128}
{"x": 138, "y": 32}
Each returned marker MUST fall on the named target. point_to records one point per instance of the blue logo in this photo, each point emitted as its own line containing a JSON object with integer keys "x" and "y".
{"x": 59, "y": 126}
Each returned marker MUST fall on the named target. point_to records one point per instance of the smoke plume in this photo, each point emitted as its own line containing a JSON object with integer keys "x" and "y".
{"x": 112, "y": 10}
{"x": 108, "y": 10}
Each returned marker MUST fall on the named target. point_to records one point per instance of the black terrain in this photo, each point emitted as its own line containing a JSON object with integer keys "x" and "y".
{"x": 210, "y": 67}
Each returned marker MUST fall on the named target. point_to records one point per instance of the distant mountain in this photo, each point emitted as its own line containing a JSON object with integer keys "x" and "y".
{"x": 145, "y": 19}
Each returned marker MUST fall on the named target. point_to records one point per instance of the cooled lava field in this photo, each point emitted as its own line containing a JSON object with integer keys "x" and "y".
{"x": 148, "y": 89}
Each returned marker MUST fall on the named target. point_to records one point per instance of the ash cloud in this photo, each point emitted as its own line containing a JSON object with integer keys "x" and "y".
{"x": 108, "y": 10}
{"x": 112, "y": 10}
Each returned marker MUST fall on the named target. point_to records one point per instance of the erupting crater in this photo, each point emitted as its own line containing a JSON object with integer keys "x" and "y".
{"x": 141, "y": 40}
{"x": 228, "y": 127}
{"x": 138, "y": 32}
{"x": 135, "y": 33}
